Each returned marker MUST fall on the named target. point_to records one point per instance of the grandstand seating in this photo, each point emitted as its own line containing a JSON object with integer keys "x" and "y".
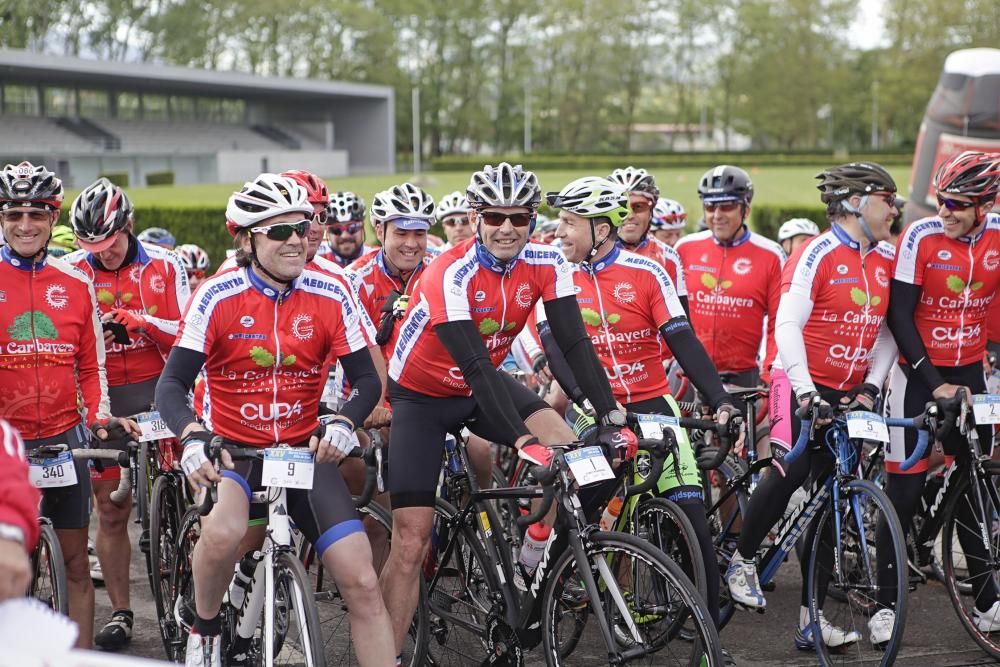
{"x": 185, "y": 136}
{"x": 33, "y": 135}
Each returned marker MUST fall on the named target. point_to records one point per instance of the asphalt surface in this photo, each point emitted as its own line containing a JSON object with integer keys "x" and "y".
{"x": 934, "y": 636}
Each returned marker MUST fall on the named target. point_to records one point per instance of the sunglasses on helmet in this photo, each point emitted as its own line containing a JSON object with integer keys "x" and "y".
{"x": 496, "y": 218}
{"x": 283, "y": 231}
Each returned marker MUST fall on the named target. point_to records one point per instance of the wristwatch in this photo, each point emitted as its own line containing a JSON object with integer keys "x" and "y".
{"x": 614, "y": 418}
{"x": 11, "y": 532}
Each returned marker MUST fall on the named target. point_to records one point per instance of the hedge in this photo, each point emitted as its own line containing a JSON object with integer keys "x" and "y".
{"x": 119, "y": 178}
{"x": 767, "y": 218}
{"x": 661, "y": 161}
{"x": 160, "y": 178}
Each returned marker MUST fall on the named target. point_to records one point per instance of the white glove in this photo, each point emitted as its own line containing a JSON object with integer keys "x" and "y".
{"x": 194, "y": 456}
{"x": 339, "y": 435}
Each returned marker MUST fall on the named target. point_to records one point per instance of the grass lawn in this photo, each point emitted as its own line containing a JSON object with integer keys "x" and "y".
{"x": 773, "y": 185}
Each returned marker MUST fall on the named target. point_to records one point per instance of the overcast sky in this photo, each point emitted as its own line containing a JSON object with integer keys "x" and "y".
{"x": 869, "y": 26}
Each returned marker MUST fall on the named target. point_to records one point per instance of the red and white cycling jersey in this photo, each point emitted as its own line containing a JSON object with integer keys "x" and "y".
{"x": 373, "y": 282}
{"x": 624, "y": 299}
{"x": 51, "y": 347}
{"x": 464, "y": 284}
{"x": 668, "y": 258}
{"x": 731, "y": 289}
{"x": 18, "y": 498}
{"x": 267, "y": 352}
{"x": 326, "y": 252}
{"x": 958, "y": 281}
{"x": 849, "y": 293}
{"x": 155, "y": 285}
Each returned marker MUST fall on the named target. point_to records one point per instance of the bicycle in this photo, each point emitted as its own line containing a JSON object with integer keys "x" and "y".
{"x": 477, "y": 611}
{"x": 276, "y": 621}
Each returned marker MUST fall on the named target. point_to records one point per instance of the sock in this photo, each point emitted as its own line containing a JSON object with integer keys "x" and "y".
{"x": 208, "y": 627}
{"x": 803, "y": 617}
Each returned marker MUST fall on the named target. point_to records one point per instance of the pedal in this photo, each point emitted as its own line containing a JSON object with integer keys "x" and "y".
{"x": 144, "y": 542}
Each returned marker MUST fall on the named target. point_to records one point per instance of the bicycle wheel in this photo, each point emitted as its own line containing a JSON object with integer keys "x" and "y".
{"x": 338, "y": 646}
{"x": 864, "y": 508}
{"x": 48, "y": 578}
{"x": 663, "y": 524}
{"x": 164, "y": 522}
{"x": 966, "y": 568}
{"x": 175, "y": 624}
{"x": 726, "y": 523}
{"x": 645, "y": 597}
{"x": 459, "y": 601}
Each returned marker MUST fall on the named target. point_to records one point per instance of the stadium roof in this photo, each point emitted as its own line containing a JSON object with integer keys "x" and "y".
{"x": 42, "y": 68}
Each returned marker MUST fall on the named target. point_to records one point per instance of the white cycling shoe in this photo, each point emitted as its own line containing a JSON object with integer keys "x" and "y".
{"x": 203, "y": 651}
{"x": 832, "y": 636}
{"x": 880, "y": 626}
{"x": 744, "y": 586}
{"x": 989, "y": 620}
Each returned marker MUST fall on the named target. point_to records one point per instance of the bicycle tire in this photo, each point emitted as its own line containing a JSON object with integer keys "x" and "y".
{"x": 662, "y": 523}
{"x": 143, "y": 506}
{"x": 861, "y": 500}
{"x": 164, "y": 525}
{"x": 963, "y": 602}
{"x": 466, "y": 581}
{"x": 47, "y": 564}
{"x": 675, "y": 602}
{"x": 175, "y": 625}
{"x": 725, "y": 544}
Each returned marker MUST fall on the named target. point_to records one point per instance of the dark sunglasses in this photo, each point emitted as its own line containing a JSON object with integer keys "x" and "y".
{"x": 954, "y": 204}
{"x": 495, "y": 218}
{"x": 725, "y": 207}
{"x": 639, "y": 206}
{"x": 337, "y": 230}
{"x": 283, "y": 230}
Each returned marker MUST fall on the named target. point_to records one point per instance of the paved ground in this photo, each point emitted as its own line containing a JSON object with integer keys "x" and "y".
{"x": 934, "y": 637}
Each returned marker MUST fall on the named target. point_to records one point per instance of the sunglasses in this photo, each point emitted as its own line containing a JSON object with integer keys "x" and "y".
{"x": 495, "y": 218}
{"x": 284, "y": 230}
{"x": 457, "y": 221}
{"x": 725, "y": 207}
{"x": 639, "y": 206}
{"x": 196, "y": 273}
{"x": 954, "y": 204}
{"x": 337, "y": 230}
{"x": 34, "y": 215}
{"x": 321, "y": 217}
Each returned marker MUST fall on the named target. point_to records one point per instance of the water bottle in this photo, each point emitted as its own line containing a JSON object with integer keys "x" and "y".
{"x": 534, "y": 546}
{"x": 611, "y": 513}
{"x": 242, "y": 577}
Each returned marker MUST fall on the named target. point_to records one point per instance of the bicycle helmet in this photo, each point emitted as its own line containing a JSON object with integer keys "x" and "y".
{"x": 592, "y": 197}
{"x": 265, "y": 197}
{"x": 158, "y": 236}
{"x": 316, "y": 189}
{"x": 406, "y": 204}
{"x": 504, "y": 186}
{"x": 636, "y": 180}
{"x": 669, "y": 215}
{"x": 972, "y": 174}
{"x": 838, "y": 183}
{"x": 63, "y": 236}
{"x": 797, "y": 227}
{"x": 99, "y": 213}
{"x": 27, "y": 185}
{"x": 451, "y": 204}
{"x": 192, "y": 257}
{"x": 726, "y": 183}
{"x": 345, "y": 207}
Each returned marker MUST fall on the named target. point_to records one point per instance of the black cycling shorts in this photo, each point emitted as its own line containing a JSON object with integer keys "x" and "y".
{"x": 128, "y": 400}
{"x": 419, "y": 426}
{"x": 324, "y": 514}
{"x": 908, "y": 395}
{"x": 67, "y": 507}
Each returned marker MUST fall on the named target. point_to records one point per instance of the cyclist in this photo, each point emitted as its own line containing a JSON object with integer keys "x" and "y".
{"x": 54, "y": 353}
{"x": 157, "y": 236}
{"x": 18, "y": 515}
{"x": 628, "y": 304}
{"x": 795, "y": 232}
{"x": 345, "y": 229}
{"x": 453, "y": 214}
{"x": 195, "y": 262}
{"x": 943, "y": 283}
{"x": 733, "y": 277}
{"x": 142, "y": 289}
{"x": 833, "y": 342}
{"x": 272, "y": 323}
{"x": 466, "y": 311}
{"x": 63, "y": 241}
{"x": 669, "y": 221}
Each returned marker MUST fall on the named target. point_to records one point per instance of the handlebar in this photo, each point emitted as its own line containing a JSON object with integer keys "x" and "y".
{"x": 546, "y": 478}
{"x": 118, "y": 456}
{"x": 658, "y": 451}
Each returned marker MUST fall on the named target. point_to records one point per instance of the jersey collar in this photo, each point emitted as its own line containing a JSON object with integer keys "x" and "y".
{"x": 141, "y": 256}
{"x": 23, "y": 263}
{"x": 846, "y": 239}
{"x": 604, "y": 262}
{"x": 380, "y": 261}
{"x": 740, "y": 240}
{"x": 258, "y": 284}
{"x": 637, "y": 247}
{"x": 488, "y": 261}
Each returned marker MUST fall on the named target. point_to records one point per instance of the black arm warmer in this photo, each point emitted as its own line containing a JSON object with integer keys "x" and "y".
{"x": 693, "y": 358}
{"x": 684, "y": 305}
{"x": 558, "y": 365}
{"x": 567, "y": 329}
{"x": 467, "y": 349}
{"x": 366, "y": 387}
{"x": 903, "y": 299}
{"x": 172, "y": 389}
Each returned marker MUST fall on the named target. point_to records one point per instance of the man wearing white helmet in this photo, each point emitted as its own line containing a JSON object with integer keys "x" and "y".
{"x": 453, "y": 214}
{"x": 345, "y": 229}
{"x": 669, "y": 221}
{"x": 795, "y": 232}
{"x": 273, "y": 322}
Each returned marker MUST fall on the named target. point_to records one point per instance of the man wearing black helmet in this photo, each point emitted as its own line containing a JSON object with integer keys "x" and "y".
{"x": 732, "y": 276}
{"x": 141, "y": 291}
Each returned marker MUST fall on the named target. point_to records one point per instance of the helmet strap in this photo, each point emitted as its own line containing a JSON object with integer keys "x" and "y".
{"x": 256, "y": 262}
{"x": 595, "y": 245}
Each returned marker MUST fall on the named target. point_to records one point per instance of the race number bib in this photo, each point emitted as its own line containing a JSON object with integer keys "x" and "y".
{"x": 53, "y": 473}
{"x": 986, "y": 408}
{"x": 291, "y": 468}
{"x": 651, "y": 426}
{"x": 589, "y": 465}
{"x": 867, "y": 426}
{"x": 153, "y": 427}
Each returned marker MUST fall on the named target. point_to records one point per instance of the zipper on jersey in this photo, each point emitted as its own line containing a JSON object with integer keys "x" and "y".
{"x": 607, "y": 340}
{"x": 864, "y": 327}
{"x": 966, "y": 295}
{"x": 274, "y": 369}
{"x": 34, "y": 343}
{"x": 503, "y": 312}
